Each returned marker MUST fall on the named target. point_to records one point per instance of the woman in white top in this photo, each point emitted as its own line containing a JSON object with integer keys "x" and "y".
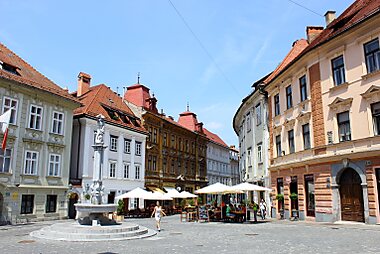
{"x": 263, "y": 208}
{"x": 157, "y": 215}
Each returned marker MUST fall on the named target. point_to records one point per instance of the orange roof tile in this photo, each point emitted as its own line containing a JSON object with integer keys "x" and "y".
{"x": 356, "y": 13}
{"x": 99, "y": 100}
{"x": 297, "y": 48}
{"x": 215, "y": 138}
{"x": 188, "y": 120}
{"x": 28, "y": 75}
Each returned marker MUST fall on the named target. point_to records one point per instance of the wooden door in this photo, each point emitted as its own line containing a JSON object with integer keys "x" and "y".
{"x": 73, "y": 200}
{"x": 351, "y": 196}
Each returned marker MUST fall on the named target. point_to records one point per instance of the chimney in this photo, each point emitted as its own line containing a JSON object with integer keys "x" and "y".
{"x": 312, "y": 32}
{"x": 329, "y": 17}
{"x": 199, "y": 127}
{"x": 84, "y": 82}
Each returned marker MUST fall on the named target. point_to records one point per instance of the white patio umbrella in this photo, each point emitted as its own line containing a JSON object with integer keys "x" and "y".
{"x": 186, "y": 194}
{"x": 248, "y": 187}
{"x": 159, "y": 196}
{"x": 216, "y": 188}
{"x": 136, "y": 193}
{"x": 173, "y": 193}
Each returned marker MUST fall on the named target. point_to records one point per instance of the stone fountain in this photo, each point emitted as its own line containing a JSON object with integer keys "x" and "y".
{"x": 96, "y": 212}
{"x": 92, "y": 213}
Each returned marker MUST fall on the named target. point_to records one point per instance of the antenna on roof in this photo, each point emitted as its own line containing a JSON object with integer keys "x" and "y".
{"x": 138, "y": 78}
{"x": 188, "y": 107}
{"x": 117, "y": 90}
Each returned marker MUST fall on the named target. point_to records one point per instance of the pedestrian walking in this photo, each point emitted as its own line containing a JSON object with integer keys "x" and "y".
{"x": 255, "y": 209}
{"x": 263, "y": 209}
{"x": 157, "y": 212}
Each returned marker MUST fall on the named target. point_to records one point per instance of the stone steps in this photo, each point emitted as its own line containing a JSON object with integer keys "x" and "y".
{"x": 75, "y": 232}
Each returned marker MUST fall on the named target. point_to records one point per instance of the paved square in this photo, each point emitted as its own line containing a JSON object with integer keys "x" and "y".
{"x": 189, "y": 237}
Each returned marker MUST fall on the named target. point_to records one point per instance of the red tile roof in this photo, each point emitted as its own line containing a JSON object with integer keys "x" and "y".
{"x": 138, "y": 94}
{"x": 297, "y": 48}
{"x": 188, "y": 120}
{"x": 215, "y": 138}
{"x": 358, "y": 12}
{"x": 99, "y": 100}
{"x": 28, "y": 75}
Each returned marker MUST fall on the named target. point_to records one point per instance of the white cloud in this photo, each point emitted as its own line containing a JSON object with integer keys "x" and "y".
{"x": 214, "y": 126}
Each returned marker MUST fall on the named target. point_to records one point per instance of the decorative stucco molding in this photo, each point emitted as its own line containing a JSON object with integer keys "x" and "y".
{"x": 372, "y": 95}
{"x": 341, "y": 105}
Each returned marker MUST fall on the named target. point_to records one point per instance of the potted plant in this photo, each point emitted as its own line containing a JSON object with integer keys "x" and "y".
{"x": 280, "y": 198}
{"x": 120, "y": 210}
{"x": 293, "y": 197}
{"x": 87, "y": 197}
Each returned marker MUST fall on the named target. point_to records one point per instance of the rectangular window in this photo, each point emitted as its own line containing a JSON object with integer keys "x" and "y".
{"x": 276, "y": 104}
{"x": 51, "y": 203}
{"x": 113, "y": 143}
{"x": 259, "y": 154}
{"x": 258, "y": 114}
{"x": 303, "y": 88}
{"x": 138, "y": 148}
{"x": 372, "y": 55}
{"x": 289, "y": 99}
{"x": 27, "y": 204}
{"x": 9, "y": 103}
{"x": 173, "y": 142}
{"x": 172, "y": 169}
{"x": 154, "y": 135}
{"x": 376, "y": 118}
{"x": 35, "y": 117}
{"x": 5, "y": 160}
{"x": 154, "y": 165}
{"x": 30, "y": 163}
{"x": 291, "y": 141}
{"x": 248, "y": 120}
{"x": 57, "y": 125}
{"x": 150, "y": 134}
{"x": 137, "y": 171}
{"x": 306, "y": 136}
{"x": 127, "y": 145}
{"x": 249, "y": 159}
{"x": 54, "y": 165}
{"x": 126, "y": 171}
{"x": 338, "y": 70}
{"x": 165, "y": 139}
{"x": 112, "y": 169}
{"x": 344, "y": 126}
{"x": 278, "y": 145}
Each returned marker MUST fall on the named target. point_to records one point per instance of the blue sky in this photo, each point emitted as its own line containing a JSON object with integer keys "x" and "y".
{"x": 114, "y": 40}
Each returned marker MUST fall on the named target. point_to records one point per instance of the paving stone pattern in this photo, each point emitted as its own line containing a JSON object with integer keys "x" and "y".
{"x": 192, "y": 237}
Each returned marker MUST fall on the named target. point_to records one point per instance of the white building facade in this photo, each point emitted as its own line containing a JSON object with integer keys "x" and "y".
{"x": 251, "y": 125}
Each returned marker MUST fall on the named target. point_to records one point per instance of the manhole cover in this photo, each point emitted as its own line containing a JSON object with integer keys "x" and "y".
{"x": 175, "y": 233}
{"x": 251, "y": 234}
{"x": 26, "y": 241}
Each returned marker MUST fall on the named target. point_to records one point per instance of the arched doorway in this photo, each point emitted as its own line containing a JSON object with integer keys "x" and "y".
{"x": 73, "y": 200}
{"x": 351, "y": 196}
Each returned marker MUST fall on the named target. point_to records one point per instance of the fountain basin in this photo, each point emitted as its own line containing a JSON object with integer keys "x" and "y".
{"x": 88, "y": 213}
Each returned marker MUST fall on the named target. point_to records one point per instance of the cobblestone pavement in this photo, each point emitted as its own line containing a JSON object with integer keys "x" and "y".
{"x": 190, "y": 237}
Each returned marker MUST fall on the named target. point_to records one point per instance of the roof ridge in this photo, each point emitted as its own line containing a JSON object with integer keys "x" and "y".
{"x": 29, "y": 65}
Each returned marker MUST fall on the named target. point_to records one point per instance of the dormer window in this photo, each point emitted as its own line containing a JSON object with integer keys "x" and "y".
{"x": 9, "y": 68}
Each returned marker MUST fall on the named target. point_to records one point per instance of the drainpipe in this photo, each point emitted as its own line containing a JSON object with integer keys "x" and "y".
{"x": 79, "y": 147}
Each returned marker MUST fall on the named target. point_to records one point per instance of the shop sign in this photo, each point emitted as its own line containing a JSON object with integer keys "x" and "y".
{"x": 15, "y": 195}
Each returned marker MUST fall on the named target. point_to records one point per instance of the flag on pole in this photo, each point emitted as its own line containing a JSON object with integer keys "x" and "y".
{"x": 4, "y": 120}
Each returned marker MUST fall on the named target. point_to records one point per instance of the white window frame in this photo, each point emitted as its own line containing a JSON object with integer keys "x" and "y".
{"x": 113, "y": 143}
{"x": 57, "y": 125}
{"x": 259, "y": 153}
{"x": 126, "y": 173}
{"x": 112, "y": 166}
{"x": 28, "y": 170}
{"x": 137, "y": 171}
{"x": 6, "y": 157}
{"x": 249, "y": 157}
{"x": 5, "y": 108}
{"x": 258, "y": 113}
{"x": 54, "y": 164}
{"x": 127, "y": 145}
{"x": 138, "y": 148}
{"x": 40, "y": 116}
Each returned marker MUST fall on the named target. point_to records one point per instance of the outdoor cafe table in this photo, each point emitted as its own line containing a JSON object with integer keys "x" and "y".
{"x": 239, "y": 215}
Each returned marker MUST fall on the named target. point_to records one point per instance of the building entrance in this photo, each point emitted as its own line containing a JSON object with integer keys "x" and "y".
{"x": 73, "y": 200}
{"x": 351, "y": 196}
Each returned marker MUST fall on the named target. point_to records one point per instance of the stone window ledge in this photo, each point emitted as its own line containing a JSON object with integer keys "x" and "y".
{"x": 338, "y": 87}
{"x": 370, "y": 75}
